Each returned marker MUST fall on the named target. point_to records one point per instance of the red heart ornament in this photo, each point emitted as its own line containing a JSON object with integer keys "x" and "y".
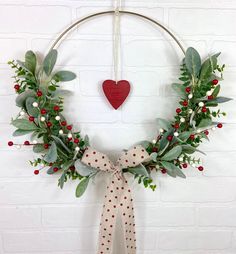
{"x": 116, "y": 92}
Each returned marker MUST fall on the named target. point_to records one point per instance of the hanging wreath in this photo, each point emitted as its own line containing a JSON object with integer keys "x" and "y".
{"x": 61, "y": 148}
{"x": 64, "y": 151}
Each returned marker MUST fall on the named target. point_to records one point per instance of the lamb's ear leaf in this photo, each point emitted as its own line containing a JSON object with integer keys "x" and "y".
{"x": 51, "y": 155}
{"x": 30, "y": 61}
{"x": 83, "y": 169}
{"x": 164, "y": 124}
{"x": 174, "y": 153}
{"x": 63, "y": 76}
{"x": 139, "y": 170}
{"x": 24, "y": 124}
{"x": 50, "y": 61}
{"x": 29, "y": 107}
{"x": 193, "y": 61}
{"x": 20, "y": 132}
{"x": 81, "y": 187}
{"x": 208, "y": 67}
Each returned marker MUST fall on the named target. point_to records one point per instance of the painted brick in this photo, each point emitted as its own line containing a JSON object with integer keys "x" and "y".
{"x": 198, "y": 190}
{"x": 209, "y": 240}
{"x": 38, "y": 17}
{"x": 206, "y": 25}
{"x": 49, "y": 241}
{"x": 217, "y": 216}
{"x": 164, "y": 216}
{"x": 24, "y": 217}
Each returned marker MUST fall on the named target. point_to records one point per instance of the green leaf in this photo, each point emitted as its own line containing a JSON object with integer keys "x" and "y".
{"x": 30, "y": 61}
{"x": 145, "y": 144}
{"x": 62, "y": 180}
{"x": 172, "y": 170}
{"x": 51, "y": 155}
{"x": 190, "y": 149}
{"x": 86, "y": 140}
{"x": 38, "y": 148}
{"x": 63, "y": 76}
{"x": 216, "y": 91}
{"x": 29, "y": 107}
{"x": 83, "y": 169}
{"x": 179, "y": 89}
{"x": 59, "y": 142}
{"x": 81, "y": 187}
{"x": 208, "y": 67}
{"x": 50, "y": 171}
{"x": 24, "y": 124}
{"x": 164, "y": 124}
{"x": 184, "y": 135}
{"x": 174, "y": 153}
{"x": 193, "y": 61}
{"x": 139, "y": 170}
{"x": 67, "y": 164}
{"x": 222, "y": 99}
{"x": 153, "y": 156}
{"x": 205, "y": 123}
{"x": 21, "y": 98}
{"x": 20, "y": 132}
{"x": 50, "y": 61}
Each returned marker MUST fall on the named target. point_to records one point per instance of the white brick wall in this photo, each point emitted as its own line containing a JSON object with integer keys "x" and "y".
{"x": 192, "y": 216}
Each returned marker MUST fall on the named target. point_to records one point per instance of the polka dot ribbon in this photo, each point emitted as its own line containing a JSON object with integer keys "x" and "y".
{"x": 118, "y": 199}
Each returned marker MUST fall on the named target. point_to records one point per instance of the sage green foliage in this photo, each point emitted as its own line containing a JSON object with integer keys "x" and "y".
{"x": 166, "y": 154}
{"x": 197, "y": 75}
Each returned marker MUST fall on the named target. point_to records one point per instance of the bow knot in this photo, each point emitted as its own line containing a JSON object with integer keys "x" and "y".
{"x": 118, "y": 196}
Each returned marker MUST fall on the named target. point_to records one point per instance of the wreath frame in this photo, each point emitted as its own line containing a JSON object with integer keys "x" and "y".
{"x": 61, "y": 148}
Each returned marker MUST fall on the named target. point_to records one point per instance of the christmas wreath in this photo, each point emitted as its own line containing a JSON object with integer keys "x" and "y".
{"x": 61, "y": 148}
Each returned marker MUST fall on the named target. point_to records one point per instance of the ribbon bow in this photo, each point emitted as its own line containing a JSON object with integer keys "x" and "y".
{"x": 118, "y": 196}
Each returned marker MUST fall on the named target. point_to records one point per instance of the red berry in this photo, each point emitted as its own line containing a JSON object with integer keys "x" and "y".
{"x": 192, "y": 136}
{"x": 63, "y": 123}
{"x": 46, "y": 146}
{"x": 36, "y": 172}
{"x": 163, "y": 171}
{"x": 200, "y": 168}
{"x": 188, "y": 89}
{"x": 204, "y": 109}
{"x": 55, "y": 169}
{"x": 215, "y": 81}
{"x": 169, "y": 138}
{"x": 49, "y": 124}
{"x": 72, "y": 168}
{"x": 50, "y": 164}
{"x": 31, "y": 118}
{"x": 76, "y": 140}
{"x": 210, "y": 97}
{"x": 206, "y": 132}
{"x": 10, "y": 143}
{"x": 56, "y": 108}
{"x": 69, "y": 139}
{"x": 178, "y": 110}
{"x": 154, "y": 149}
{"x": 39, "y": 93}
{"x": 185, "y": 165}
{"x": 69, "y": 127}
{"x": 219, "y": 125}
{"x": 176, "y": 126}
{"x": 17, "y": 87}
{"x": 26, "y": 143}
{"x": 185, "y": 103}
{"x": 43, "y": 111}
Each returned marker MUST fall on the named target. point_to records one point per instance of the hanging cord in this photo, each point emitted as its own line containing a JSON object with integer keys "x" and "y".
{"x": 116, "y": 39}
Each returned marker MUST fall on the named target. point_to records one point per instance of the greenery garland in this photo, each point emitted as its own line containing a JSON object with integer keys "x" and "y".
{"x": 60, "y": 148}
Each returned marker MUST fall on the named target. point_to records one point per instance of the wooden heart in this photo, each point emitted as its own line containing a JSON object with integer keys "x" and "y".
{"x": 116, "y": 93}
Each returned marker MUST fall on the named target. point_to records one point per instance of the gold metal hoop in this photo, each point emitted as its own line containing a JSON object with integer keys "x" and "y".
{"x": 67, "y": 30}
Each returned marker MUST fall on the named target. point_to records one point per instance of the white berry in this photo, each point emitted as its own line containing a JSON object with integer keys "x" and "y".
{"x": 58, "y": 118}
{"x": 176, "y": 134}
{"x": 182, "y": 120}
{"x": 77, "y": 149}
{"x": 61, "y": 132}
{"x": 22, "y": 113}
{"x": 42, "y": 119}
{"x": 198, "y": 131}
{"x": 201, "y": 104}
{"x": 35, "y": 142}
{"x": 35, "y": 104}
{"x": 213, "y": 128}
{"x": 190, "y": 96}
{"x": 154, "y": 141}
{"x": 190, "y": 111}
{"x": 180, "y": 158}
{"x": 161, "y": 130}
{"x": 193, "y": 165}
{"x": 208, "y": 93}
{"x": 69, "y": 135}
{"x": 18, "y": 146}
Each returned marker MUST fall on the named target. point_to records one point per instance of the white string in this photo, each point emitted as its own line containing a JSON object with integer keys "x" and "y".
{"x": 116, "y": 39}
